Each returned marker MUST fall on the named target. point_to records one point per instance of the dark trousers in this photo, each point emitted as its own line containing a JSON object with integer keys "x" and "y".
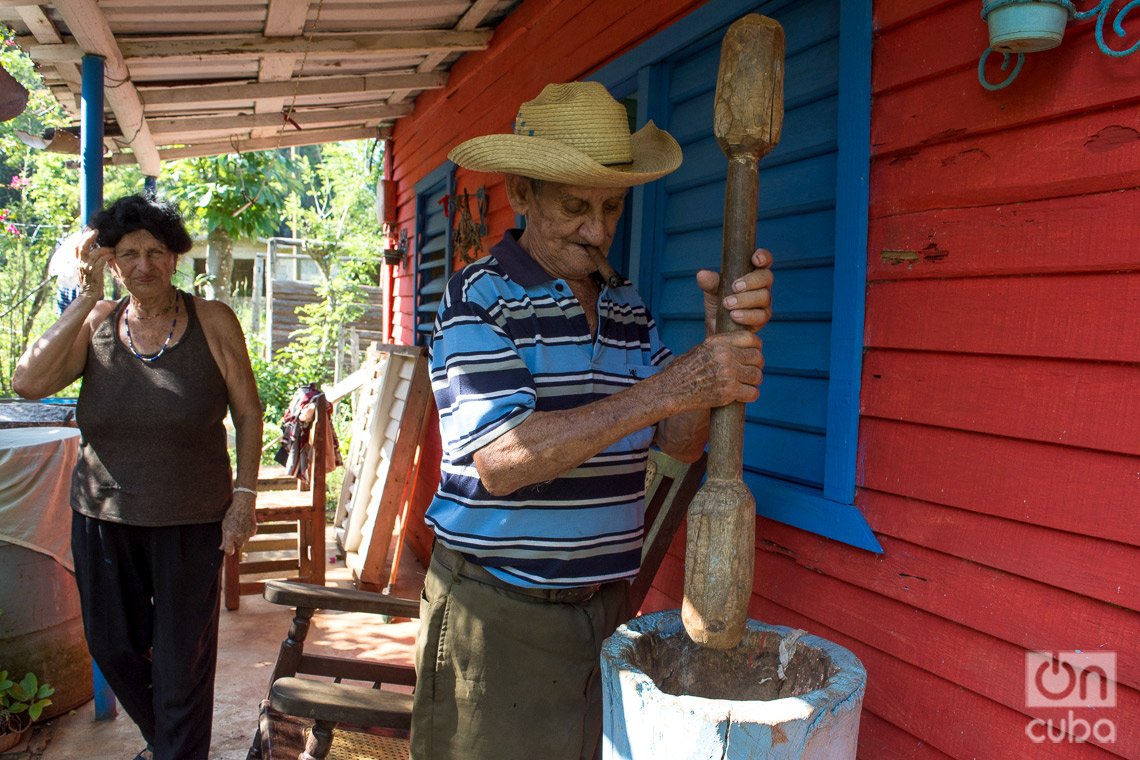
{"x": 150, "y": 598}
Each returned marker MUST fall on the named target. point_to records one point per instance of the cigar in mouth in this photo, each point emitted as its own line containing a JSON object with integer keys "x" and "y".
{"x": 612, "y": 278}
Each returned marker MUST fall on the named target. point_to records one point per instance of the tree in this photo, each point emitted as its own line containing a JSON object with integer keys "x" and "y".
{"x": 335, "y": 215}
{"x": 38, "y": 205}
{"x": 230, "y": 197}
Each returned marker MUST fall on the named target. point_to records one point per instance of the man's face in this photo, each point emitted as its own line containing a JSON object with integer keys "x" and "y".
{"x": 567, "y": 225}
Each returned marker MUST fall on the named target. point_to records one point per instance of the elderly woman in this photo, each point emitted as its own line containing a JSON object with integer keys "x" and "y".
{"x": 154, "y": 501}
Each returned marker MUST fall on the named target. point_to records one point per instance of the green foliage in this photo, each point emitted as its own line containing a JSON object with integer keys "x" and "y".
{"x": 336, "y": 209}
{"x": 21, "y": 702}
{"x": 241, "y": 194}
{"x": 38, "y": 199}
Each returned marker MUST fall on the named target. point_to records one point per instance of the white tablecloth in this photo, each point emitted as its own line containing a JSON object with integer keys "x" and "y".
{"x": 35, "y": 488}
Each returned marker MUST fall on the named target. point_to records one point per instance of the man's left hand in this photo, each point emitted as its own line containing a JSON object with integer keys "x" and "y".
{"x": 239, "y": 524}
{"x": 751, "y": 301}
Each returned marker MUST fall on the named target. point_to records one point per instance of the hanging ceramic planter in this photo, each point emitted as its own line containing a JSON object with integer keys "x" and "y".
{"x": 1026, "y": 26}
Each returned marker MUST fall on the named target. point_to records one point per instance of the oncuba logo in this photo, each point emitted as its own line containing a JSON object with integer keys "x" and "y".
{"x": 1070, "y": 679}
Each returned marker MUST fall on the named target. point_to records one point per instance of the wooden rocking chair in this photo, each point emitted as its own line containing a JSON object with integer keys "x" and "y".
{"x": 374, "y": 722}
{"x": 291, "y": 520}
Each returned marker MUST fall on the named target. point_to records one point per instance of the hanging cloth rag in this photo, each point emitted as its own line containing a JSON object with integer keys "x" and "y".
{"x": 296, "y": 448}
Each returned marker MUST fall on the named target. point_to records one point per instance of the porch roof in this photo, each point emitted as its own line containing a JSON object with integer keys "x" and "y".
{"x": 187, "y": 80}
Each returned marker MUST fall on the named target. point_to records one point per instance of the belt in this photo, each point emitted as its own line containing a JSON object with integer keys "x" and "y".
{"x": 458, "y": 563}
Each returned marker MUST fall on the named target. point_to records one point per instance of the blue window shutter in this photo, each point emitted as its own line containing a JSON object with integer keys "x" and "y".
{"x": 800, "y": 437}
{"x": 433, "y": 245}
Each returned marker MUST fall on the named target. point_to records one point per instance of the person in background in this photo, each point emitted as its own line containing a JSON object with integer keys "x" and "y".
{"x": 154, "y": 501}
{"x": 552, "y": 382}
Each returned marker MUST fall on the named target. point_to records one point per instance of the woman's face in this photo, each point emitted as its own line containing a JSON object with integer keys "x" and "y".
{"x": 143, "y": 264}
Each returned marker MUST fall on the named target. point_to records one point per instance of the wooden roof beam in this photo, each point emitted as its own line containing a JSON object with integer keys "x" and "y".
{"x": 255, "y": 46}
{"x": 253, "y": 91}
{"x": 93, "y": 34}
{"x": 470, "y": 19}
{"x": 45, "y": 33}
{"x": 288, "y": 139}
{"x": 284, "y": 18}
{"x": 306, "y": 120}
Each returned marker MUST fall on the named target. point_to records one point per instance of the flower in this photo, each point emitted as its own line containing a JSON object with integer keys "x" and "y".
{"x": 3, "y": 214}
{"x": 12, "y": 230}
{"x": 18, "y": 182}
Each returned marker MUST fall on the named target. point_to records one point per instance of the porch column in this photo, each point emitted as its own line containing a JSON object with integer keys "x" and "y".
{"x": 91, "y": 138}
{"x": 90, "y": 201}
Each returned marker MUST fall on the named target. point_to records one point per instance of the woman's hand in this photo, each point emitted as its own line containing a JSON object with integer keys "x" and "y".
{"x": 750, "y": 303}
{"x": 93, "y": 260}
{"x": 239, "y": 524}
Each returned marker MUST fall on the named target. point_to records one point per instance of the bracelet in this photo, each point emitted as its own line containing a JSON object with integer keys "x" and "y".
{"x": 243, "y": 489}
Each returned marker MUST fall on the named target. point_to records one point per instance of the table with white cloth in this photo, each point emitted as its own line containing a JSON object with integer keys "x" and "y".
{"x": 41, "y": 630}
{"x": 35, "y": 487}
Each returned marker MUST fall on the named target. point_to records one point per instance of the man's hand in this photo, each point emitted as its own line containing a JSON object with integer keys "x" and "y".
{"x": 724, "y": 368}
{"x": 751, "y": 301}
{"x": 239, "y": 525}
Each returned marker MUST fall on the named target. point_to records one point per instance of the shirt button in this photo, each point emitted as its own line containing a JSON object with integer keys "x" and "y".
{"x": 558, "y": 286}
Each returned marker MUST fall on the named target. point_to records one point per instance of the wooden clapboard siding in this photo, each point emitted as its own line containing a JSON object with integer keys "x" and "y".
{"x": 1052, "y": 236}
{"x": 1000, "y": 423}
{"x": 1087, "y": 153}
{"x": 1092, "y": 567}
{"x": 1079, "y": 316}
{"x": 882, "y": 741}
{"x": 949, "y": 717}
{"x": 994, "y": 669}
{"x": 1092, "y": 405}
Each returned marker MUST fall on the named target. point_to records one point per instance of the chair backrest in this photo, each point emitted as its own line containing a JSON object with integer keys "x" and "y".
{"x": 669, "y": 487}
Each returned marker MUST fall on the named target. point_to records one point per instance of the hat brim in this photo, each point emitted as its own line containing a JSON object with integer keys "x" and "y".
{"x": 655, "y": 153}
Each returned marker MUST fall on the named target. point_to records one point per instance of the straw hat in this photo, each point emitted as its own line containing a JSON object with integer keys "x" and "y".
{"x": 576, "y": 134}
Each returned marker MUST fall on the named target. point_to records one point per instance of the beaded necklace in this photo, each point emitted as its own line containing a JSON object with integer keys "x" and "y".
{"x": 131, "y": 342}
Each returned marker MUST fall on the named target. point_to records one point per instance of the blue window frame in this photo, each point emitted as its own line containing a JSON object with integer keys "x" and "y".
{"x": 433, "y": 245}
{"x": 800, "y": 437}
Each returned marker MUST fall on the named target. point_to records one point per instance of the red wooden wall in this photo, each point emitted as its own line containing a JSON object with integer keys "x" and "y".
{"x": 1001, "y": 388}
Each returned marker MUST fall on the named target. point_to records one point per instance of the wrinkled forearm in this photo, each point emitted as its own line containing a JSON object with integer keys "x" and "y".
{"x": 247, "y": 432}
{"x": 550, "y": 444}
{"x": 723, "y": 369}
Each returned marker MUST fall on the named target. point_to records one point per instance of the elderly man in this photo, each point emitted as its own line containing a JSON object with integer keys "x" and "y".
{"x": 552, "y": 383}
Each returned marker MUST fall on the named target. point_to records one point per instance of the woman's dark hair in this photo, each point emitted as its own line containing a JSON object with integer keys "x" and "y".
{"x": 139, "y": 212}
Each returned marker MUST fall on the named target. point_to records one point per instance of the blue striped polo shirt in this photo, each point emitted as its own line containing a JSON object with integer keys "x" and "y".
{"x": 510, "y": 340}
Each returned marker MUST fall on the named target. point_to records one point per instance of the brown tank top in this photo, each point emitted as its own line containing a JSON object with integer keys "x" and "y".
{"x": 152, "y": 449}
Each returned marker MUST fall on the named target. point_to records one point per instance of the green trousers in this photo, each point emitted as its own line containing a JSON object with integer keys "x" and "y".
{"x": 501, "y": 676}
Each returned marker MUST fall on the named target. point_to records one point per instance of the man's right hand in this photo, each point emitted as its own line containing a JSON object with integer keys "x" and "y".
{"x": 724, "y": 368}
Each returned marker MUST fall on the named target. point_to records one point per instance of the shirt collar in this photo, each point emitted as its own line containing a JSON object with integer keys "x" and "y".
{"x": 517, "y": 263}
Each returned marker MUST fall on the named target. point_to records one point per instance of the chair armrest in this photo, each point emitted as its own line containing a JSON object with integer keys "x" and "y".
{"x": 341, "y": 703}
{"x": 294, "y": 594}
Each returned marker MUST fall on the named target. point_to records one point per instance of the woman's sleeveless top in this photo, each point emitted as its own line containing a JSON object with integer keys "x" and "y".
{"x": 152, "y": 449}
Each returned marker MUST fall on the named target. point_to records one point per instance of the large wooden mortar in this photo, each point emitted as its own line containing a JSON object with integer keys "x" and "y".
{"x": 666, "y": 697}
